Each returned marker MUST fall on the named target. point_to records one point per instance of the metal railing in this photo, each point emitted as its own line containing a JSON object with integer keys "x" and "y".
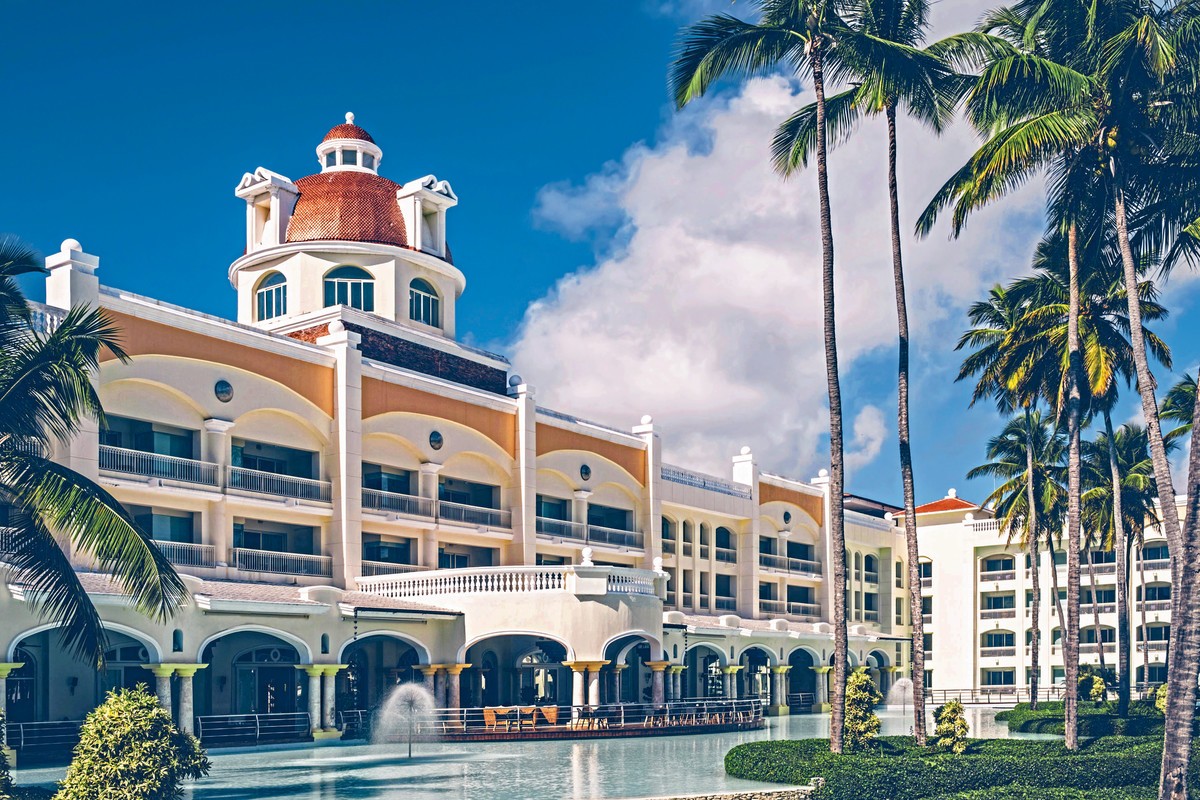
{"x": 998, "y": 613}
{"x": 697, "y": 480}
{"x": 783, "y": 563}
{"x": 871, "y": 616}
{"x": 1160, "y": 563}
{"x": 258, "y": 482}
{"x": 927, "y": 619}
{"x": 1093, "y": 647}
{"x": 926, "y": 583}
{"x": 806, "y": 610}
{"x": 1148, "y": 605}
{"x": 687, "y": 549}
{"x": 668, "y": 546}
{"x": 396, "y": 503}
{"x": 997, "y": 652}
{"x": 57, "y": 736}
{"x": 371, "y": 569}
{"x": 872, "y": 577}
{"x": 615, "y": 536}
{"x": 727, "y": 555}
{"x": 229, "y": 730}
{"x": 152, "y": 465}
{"x": 772, "y": 606}
{"x": 281, "y": 563}
{"x": 8, "y": 542}
{"x": 188, "y": 554}
{"x": 726, "y": 604}
{"x": 562, "y": 528}
{"x": 474, "y": 515}
{"x": 991, "y": 695}
{"x": 998, "y": 575}
{"x": 1154, "y": 647}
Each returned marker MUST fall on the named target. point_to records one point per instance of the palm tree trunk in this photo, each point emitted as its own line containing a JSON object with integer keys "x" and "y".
{"x": 1074, "y": 484}
{"x": 906, "y": 470}
{"x": 1183, "y": 652}
{"x": 1035, "y": 540}
{"x": 1142, "y": 575}
{"x": 837, "y": 499}
{"x": 1096, "y": 615}
{"x": 1120, "y": 547}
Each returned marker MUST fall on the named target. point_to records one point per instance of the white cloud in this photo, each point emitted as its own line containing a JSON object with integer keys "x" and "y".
{"x": 706, "y": 312}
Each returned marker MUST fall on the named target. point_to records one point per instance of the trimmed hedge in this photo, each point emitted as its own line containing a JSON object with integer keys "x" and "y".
{"x": 898, "y": 770}
{"x": 1095, "y": 719}
{"x": 1039, "y": 793}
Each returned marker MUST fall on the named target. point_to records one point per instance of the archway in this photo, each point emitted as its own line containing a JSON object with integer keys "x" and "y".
{"x": 877, "y": 664}
{"x": 374, "y": 664}
{"x": 628, "y": 679}
{"x": 250, "y": 672}
{"x": 754, "y": 678}
{"x": 801, "y": 679}
{"x": 703, "y": 676}
{"x": 517, "y": 669}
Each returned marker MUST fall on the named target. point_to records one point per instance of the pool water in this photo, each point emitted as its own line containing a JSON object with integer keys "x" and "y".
{"x": 546, "y": 770}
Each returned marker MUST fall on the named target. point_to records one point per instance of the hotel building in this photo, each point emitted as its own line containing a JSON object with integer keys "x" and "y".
{"x": 357, "y": 499}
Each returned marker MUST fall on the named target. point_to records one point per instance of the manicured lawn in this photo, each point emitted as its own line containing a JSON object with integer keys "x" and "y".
{"x": 1095, "y": 719}
{"x": 896, "y": 769}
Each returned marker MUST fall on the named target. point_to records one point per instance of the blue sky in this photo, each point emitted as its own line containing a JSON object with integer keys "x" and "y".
{"x": 630, "y": 260}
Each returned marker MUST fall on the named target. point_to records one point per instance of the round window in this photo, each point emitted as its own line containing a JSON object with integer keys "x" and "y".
{"x": 436, "y": 441}
{"x": 223, "y": 390}
{"x": 585, "y": 472}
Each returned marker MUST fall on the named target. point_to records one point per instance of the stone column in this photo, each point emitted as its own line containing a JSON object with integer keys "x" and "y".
{"x": 186, "y": 722}
{"x": 578, "y": 699}
{"x": 314, "y": 672}
{"x": 439, "y": 685}
{"x": 429, "y": 671}
{"x": 343, "y": 456}
{"x": 822, "y": 698}
{"x": 162, "y": 683}
{"x": 427, "y": 487}
{"x": 6, "y": 669}
{"x": 779, "y": 700}
{"x": 731, "y": 681}
{"x": 454, "y": 680}
{"x": 329, "y": 706}
{"x": 594, "y": 682}
{"x": 214, "y": 448}
{"x": 676, "y": 686}
{"x": 616, "y": 683}
{"x": 657, "y": 668}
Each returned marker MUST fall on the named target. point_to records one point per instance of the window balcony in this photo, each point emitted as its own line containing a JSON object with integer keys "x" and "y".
{"x": 1093, "y": 647}
{"x": 998, "y": 613}
{"x": 613, "y": 536}
{"x": 1162, "y": 563}
{"x": 998, "y": 575}
{"x": 169, "y": 469}
{"x": 772, "y": 606}
{"x": 871, "y": 616}
{"x": 281, "y": 563}
{"x": 474, "y": 515}
{"x": 784, "y": 564}
{"x": 533, "y": 580}
{"x": 188, "y": 554}
{"x": 1087, "y": 609}
{"x": 726, "y": 604}
{"x": 253, "y": 481}
{"x": 1154, "y": 605}
{"x": 997, "y": 652}
{"x": 1154, "y": 647}
{"x": 727, "y": 555}
{"x": 872, "y": 577}
{"x": 396, "y": 503}
{"x": 371, "y": 569}
{"x": 562, "y": 528}
{"x": 668, "y": 546}
{"x": 806, "y": 611}
{"x": 927, "y": 619}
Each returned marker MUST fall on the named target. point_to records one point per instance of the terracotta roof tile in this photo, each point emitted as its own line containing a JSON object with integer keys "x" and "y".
{"x": 348, "y": 130}
{"x": 347, "y": 206}
{"x": 946, "y": 504}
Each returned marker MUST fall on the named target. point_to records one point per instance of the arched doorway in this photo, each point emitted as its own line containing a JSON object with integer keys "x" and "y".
{"x": 517, "y": 669}
{"x": 374, "y": 664}
{"x": 703, "y": 676}
{"x": 54, "y": 684}
{"x": 755, "y": 675}
{"x": 629, "y": 680}
{"x": 877, "y": 665}
{"x": 251, "y": 672}
{"x": 801, "y": 679}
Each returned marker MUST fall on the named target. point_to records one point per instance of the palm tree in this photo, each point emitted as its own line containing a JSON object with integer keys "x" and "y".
{"x": 797, "y": 35}
{"x": 880, "y": 54}
{"x": 45, "y": 392}
{"x": 1179, "y": 407}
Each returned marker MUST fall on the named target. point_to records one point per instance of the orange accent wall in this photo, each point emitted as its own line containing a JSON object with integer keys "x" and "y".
{"x": 631, "y": 459}
{"x": 140, "y": 337}
{"x": 380, "y": 397}
{"x": 812, "y": 505}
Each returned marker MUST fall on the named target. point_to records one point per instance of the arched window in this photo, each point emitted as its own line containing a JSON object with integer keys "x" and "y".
{"x": 270, "y": 299}
{"x": 177, "y": 641}
{"x": 350, "y": 286}
{"x": 424, "y": 304}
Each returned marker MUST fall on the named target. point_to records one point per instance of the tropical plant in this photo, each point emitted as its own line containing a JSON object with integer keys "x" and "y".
{"x": 130, "y": 749}
{"x": 880, "y": 55}
{"x": 952, "y": 728}
{"x": 798, "y": 36}
{"x": 46, "y": 392}
{"x": 1179, "y": 407}
{"x": 862, "y": 724}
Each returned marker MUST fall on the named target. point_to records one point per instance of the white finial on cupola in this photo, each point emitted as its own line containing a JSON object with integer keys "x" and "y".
{"x": 349, "y": 117}
{"x": 952, "y": 493}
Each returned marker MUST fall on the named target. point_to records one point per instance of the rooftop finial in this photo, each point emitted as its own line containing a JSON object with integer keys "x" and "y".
{"x": 349, "y": 117}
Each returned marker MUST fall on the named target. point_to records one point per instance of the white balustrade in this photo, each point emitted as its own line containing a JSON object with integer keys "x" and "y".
{"x": 372, "y": 568}
{"x": 474, "y": 515}
{"x": 394, "y": 502}
{"x": 188, "y": 554}
{"x": 153, "y": 465}
{"x": 502, "y": 580}
{"x": 258, "y": 482}
{"x": 631, "y": 581}
{"x": 281, "y": 563}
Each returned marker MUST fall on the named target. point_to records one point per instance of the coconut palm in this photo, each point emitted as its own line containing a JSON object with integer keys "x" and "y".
{"x": 1179, "y": 407}
{"x": 797, "y": 36}
{"x": 880, "y": 54}
{"x": 45, "y": 394}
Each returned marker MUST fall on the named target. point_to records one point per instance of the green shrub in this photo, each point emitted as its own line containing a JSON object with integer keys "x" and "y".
{"x": 1094, "y": 720}
{"x": 862, "y": 725}
{"x": 6, "y": 783}
{"x": 898, "y": 770}
{"x": 952, "y": 729}
{"x": 130, "y": 749}
{"x": 1042, "y": 793}
{"x": 1092, "y": 687}
{"x": 1160, "y": 699}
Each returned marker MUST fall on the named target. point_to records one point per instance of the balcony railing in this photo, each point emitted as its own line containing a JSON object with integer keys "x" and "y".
{"x": 257, "y": 482}
{"x": 503, "y": 580}
{"x": 1098, "y": 569}
{"x": 805, "y": 610}
{"x": 704, "y": 552}
{"x": 687, "y": 549}
{"x": 726, "y": 604}
{"x": 772, "y": 606}
{"x": 8, "y": 542}
{"x": 475, "y": 515}
{"x": 727, "y": 555}
{"x": 998, "y": 575}
{"x": 872, "y": 577}
{"x": 927, "y": 619}
{"x": 396, "y": 503}
{"x": 1093, "y": 647}
{"x": 1155, "y": 605}
{"x": 188, "y": 554}
{"x": 614, "y": 536}
{"x": 998, "y": 613}
{"x": 871, "y": 616}
{"x": 1155, "y": 647}
{"x": 1160, "y": 563}
{"x": 1100, "y": 608}
{"x": 152, "y": 465}
{"x": 772, "y": 561}
{"x": 562, "y": 528}
{"x": 668, "y": 546}
{"x": 371, "y": 569}
{"x": 997, "y": 652}
{"x": 281, "y": 563}
{"x": 926, "y": 583}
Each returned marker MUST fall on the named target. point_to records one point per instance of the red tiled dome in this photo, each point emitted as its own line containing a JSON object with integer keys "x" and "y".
{"x": 348, "y": 130}
{"x": 347, "y": 206}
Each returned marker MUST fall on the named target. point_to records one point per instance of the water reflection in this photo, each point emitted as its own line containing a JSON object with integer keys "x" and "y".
{"x": 599, "y": 768}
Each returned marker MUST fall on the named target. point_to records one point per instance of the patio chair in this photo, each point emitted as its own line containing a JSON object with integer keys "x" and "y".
{"x": 550, "y": 714}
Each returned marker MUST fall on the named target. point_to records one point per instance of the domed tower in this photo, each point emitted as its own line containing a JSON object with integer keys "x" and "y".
{"x": 346, "y": 239}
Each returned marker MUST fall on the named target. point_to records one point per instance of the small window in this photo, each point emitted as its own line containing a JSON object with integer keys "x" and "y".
{"x": 350, "y": 286}
{"x": 368, "y": 161}
{"x": 350, "y": 157}
{"x": 331, "y": 158}
{"x": 271, "y": 298}
{"x": 423, "y": 303}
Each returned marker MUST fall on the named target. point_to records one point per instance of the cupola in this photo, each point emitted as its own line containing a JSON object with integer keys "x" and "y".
{"x": 348, "y": 148}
